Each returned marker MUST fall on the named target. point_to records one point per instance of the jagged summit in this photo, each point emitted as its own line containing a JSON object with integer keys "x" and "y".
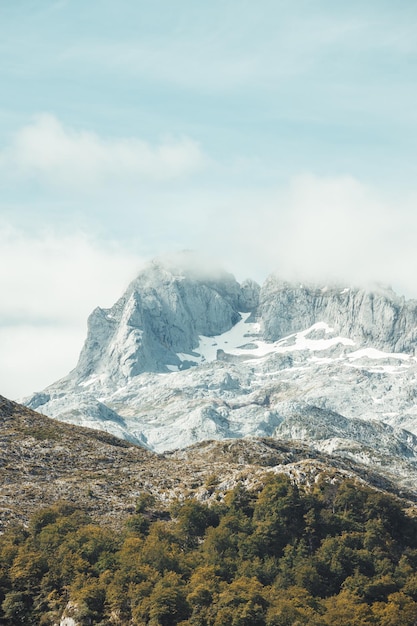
{"x": 188, "y": 354}
{"x": 171, "y": 303}
{"x": 175, "y": 300}
{"x": 376, "y": 317}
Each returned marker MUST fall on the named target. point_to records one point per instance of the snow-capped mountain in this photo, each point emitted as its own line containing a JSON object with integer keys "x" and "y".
{"x": 188, "y": 354}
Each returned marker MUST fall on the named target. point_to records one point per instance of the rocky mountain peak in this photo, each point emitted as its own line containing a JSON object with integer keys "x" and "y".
{"x": 157, "y": 325}
{"x": 170, "y": 304}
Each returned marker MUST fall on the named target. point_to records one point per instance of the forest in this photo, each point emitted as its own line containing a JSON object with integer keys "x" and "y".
{"x": 336, "y": 553}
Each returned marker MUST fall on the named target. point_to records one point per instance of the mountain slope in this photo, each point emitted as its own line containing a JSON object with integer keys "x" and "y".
{"x": 44, "y": 461}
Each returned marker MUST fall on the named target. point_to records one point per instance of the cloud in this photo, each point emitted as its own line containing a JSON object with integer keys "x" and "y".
{"x": 337, "y": 228}
{"x": 47, "y": 151}
{"x": 49, "y": 285}
{"x": 32, "y": 358}
{"x": 325, "y": 229}
{"x": 48, "y": 277}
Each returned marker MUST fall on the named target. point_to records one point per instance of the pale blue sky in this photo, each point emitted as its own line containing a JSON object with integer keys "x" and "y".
{"x": 272, "y": 134}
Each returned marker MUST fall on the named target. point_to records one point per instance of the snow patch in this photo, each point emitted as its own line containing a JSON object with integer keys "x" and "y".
{"x": 89, "y": 381}
{"x": 240, "y": 334}
{"x": 235, "y": 342}
{"x": 373, "y": 353}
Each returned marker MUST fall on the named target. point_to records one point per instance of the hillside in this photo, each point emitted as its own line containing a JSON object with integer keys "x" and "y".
{"x": 43, "y": 461}
{"x": 96, "y": 530}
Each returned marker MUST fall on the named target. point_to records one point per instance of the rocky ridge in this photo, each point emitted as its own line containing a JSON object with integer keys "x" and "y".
{"x": 377, "y": 318}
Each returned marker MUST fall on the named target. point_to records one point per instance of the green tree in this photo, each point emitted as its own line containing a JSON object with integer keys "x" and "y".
{"x": 168, "y": 604}
{"x": 192, "y": 520}
{"x": 241, "y": 603}
{"x": 278, "y": 516}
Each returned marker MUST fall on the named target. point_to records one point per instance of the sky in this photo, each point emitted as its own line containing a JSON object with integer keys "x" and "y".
{"x": 273, "y": 135}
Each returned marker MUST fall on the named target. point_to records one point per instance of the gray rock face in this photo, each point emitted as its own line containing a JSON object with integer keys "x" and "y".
{"x": 248, "y": 299}
{"x": 164, "y": 312}
{"x": 312, "y": 423}
{"x": 378, "y": 318}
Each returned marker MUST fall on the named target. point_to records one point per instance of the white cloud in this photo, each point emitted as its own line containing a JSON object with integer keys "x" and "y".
{"x": 50, "y": 277}
{"x": 49, "y": 285}
{"x": 337, "y": 227}
{"x": 51, "y": 153}
{"x": 320, "y": 229}
{"x": 32, "y": 358}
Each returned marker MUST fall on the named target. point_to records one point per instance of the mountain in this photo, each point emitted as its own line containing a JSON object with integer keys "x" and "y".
{"x": 188, "y": 354}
